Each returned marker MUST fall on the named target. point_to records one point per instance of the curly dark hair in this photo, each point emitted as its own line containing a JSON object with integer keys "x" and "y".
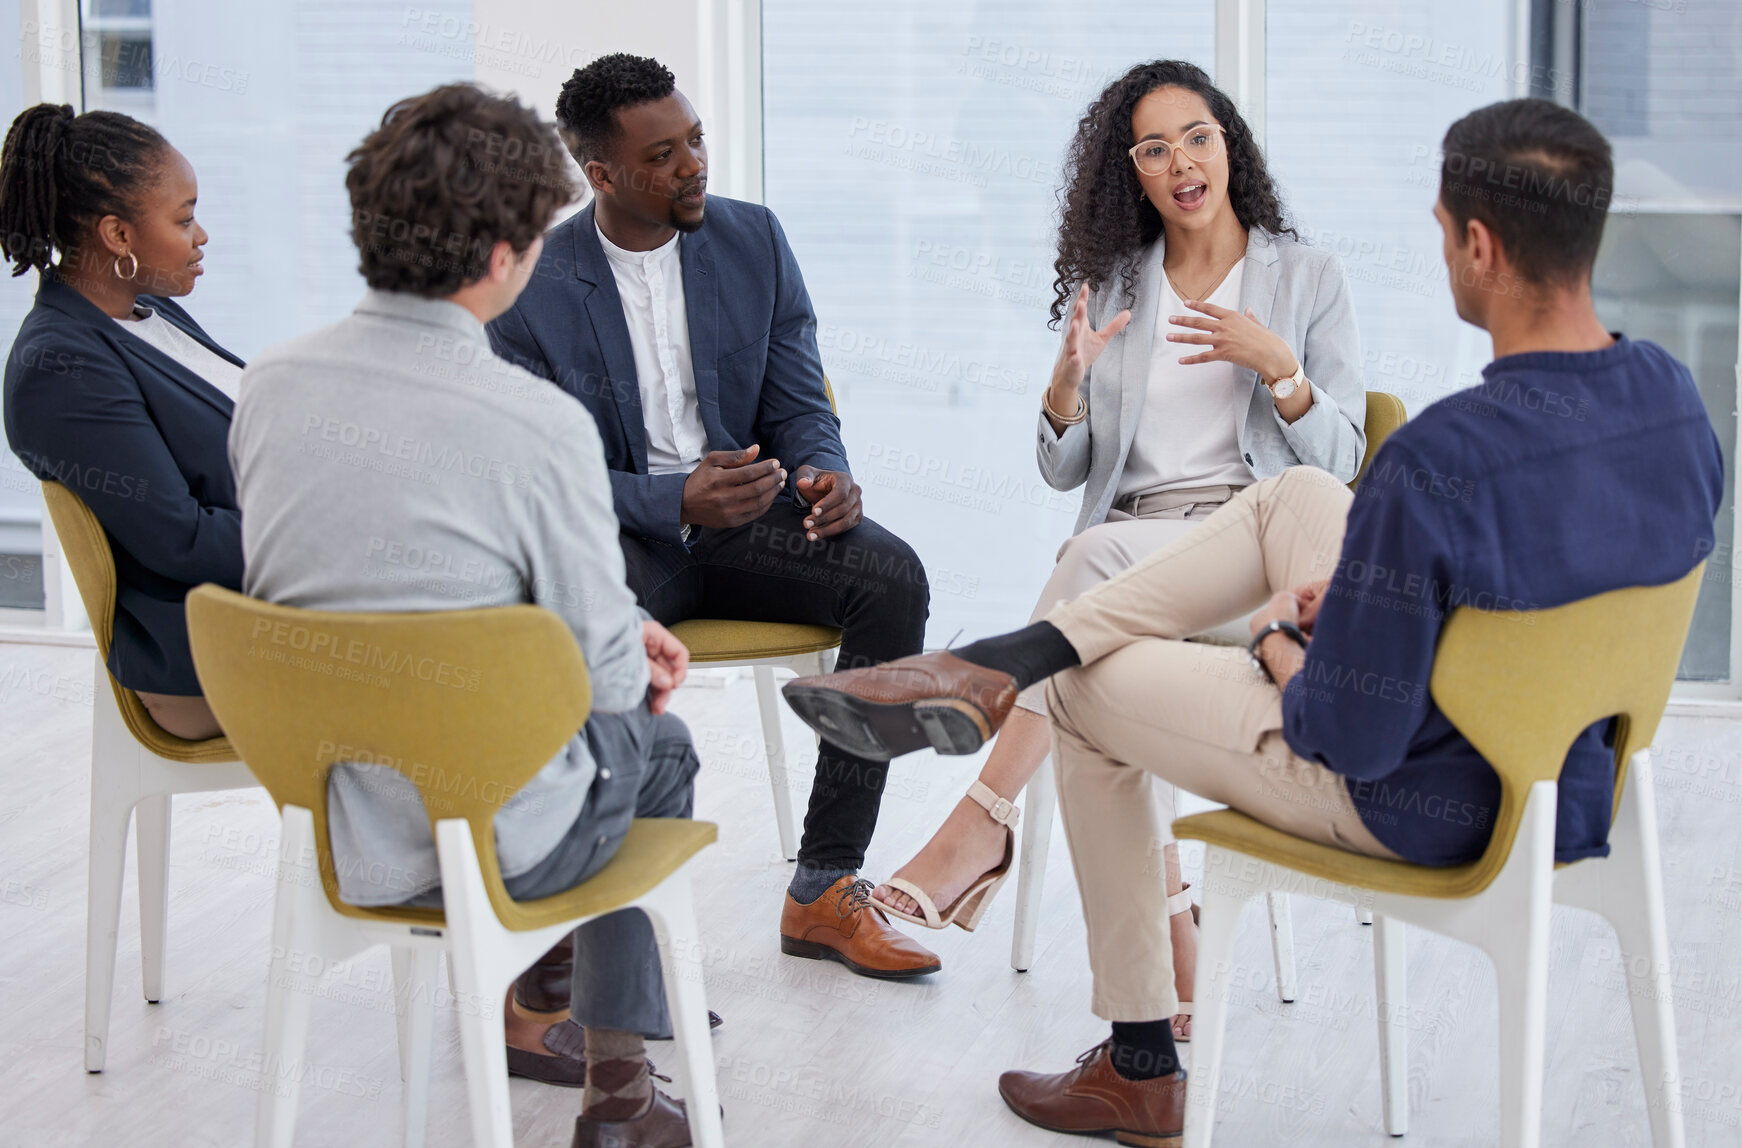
{"x": 60, "y": 173}
{"x": 1104, "y": 225}
{"x": 586, "y": 111}
{"x": 447, "y": 176}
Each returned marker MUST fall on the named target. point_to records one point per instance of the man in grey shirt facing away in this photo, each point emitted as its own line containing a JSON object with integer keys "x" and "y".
{"x": 392, "y": 462}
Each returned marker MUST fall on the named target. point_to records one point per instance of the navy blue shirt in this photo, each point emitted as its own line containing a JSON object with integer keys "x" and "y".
{"x": 1562, "y": 475}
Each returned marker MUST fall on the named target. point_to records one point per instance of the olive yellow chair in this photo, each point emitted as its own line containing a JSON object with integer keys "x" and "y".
{"x": 763, "y": 647}
{"x": 1385, "y": 413}
{"x": 468, "y": 705}
{"x": 1520, "y": 687}
{"x": 134, "y": 764}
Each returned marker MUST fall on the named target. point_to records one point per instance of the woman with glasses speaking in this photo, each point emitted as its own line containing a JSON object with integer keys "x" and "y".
{"x": 1205, "y": 348}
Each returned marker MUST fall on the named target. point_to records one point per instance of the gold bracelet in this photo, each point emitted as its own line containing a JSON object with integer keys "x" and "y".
{"x": 1046, "y": 405}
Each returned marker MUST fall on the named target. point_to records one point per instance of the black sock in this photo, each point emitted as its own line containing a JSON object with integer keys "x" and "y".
{"x": 1143, "y": 1050}
{"x": 1029, "y": 655}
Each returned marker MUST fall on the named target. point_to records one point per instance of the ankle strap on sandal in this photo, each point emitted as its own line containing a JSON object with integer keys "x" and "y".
{"x": 1001, "y": 810}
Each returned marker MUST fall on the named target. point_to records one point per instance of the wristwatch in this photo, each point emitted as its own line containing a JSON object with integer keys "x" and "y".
{"x": 1285, "y": 386}
{"x": 1277, "y": 627}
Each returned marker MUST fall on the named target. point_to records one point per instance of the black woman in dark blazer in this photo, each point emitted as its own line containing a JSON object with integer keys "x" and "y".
{"x": 112, "y": 389}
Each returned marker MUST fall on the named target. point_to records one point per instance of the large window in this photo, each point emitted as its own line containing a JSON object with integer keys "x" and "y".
{"x": 913, "y": 154}
{"x": 265, "y": 100}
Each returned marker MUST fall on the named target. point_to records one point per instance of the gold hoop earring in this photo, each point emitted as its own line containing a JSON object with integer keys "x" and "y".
{"x": 130, "y": 272}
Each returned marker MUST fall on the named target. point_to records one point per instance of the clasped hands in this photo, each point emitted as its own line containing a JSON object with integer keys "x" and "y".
{"x": 733, "y": 487}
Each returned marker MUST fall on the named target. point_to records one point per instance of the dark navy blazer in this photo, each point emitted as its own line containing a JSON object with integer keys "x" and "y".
{"x": 142, "y": 440}
{"x": 753, "y": 347}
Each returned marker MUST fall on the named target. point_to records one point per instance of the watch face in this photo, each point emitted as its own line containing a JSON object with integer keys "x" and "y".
{"x": 1284, "y": 388}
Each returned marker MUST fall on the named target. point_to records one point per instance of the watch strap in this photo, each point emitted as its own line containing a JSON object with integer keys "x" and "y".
{"x": 1278, "y": 626}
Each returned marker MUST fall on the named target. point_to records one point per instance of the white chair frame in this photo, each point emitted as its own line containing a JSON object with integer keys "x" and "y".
{"x": 484, "y": 957}
{"x": 773, "y": 739}
{"x": 1509, "y": 920}
{"x": 126, "y": 776}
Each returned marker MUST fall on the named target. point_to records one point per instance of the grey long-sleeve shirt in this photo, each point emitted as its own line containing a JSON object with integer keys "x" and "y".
{"x": 392, "y": 462}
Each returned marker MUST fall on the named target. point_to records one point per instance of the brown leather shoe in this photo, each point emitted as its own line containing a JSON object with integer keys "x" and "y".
{"x": 845, "y": 925}
{"x": 665, "y": 1124}
{"x": 880, "y": 712}
{"x": 1093, "y": 1099}
{"x": 541, "y": 993}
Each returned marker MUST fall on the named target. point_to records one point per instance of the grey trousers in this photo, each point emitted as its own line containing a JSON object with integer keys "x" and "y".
{"x": 647, "y": 768}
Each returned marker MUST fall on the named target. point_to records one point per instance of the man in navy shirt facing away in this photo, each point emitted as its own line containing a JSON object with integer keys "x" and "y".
{"x": 1583, "y": 462}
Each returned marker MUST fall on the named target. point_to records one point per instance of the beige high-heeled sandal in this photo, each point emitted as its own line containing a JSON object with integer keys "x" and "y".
{"x": 965, "y": 911}
{"x": 1181, "y": 902}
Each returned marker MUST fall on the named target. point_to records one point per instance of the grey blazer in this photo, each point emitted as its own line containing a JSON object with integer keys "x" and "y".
{"x": 1298, "y": 292}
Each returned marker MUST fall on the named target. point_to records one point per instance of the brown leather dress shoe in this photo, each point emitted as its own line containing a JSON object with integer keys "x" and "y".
{"x": 880, "y": 712}
{"x": 1093, "y": 1099}
{"x": 845, "y": 925}
{"x": 665, "y": 1124}
{"x": 541, "y": 993}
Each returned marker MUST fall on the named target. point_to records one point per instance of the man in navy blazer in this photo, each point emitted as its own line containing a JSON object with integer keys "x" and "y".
{"x": 682, "y": 323}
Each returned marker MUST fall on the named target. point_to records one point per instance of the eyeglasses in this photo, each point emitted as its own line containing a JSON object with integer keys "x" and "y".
{"x": 1201, "y": 144}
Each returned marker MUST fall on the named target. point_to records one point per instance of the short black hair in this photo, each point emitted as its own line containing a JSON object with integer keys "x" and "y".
{"x": 586, "y": 111}
{"x": 447, "y": 176}
{"x": 60, "y": 173}
{"x": 1540, "y": 176}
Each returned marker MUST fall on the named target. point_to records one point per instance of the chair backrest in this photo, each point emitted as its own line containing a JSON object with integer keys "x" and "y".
{"x": 85, "y": 547}
{"x": 1521, "y": 685}
{"x": 1385, "y": 413}
{"x": 87, "y": 553}
{"x": 467, "y": 704}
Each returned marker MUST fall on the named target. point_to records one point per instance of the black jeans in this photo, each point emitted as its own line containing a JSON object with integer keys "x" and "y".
{"x": 866, "y": 581}
{"x": 647, "y": 768}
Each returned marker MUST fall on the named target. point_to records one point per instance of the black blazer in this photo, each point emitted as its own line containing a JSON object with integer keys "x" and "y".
{"x": 143, "y": 441}
{"x": 753, "y": 347}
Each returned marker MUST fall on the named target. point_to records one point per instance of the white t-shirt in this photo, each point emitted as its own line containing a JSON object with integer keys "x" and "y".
{"x": 183, "y": 348}
{"x": 1189, "y": 432}
{"x": 650, "y": 284}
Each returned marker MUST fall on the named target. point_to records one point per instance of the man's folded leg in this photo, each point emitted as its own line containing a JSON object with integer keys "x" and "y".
{"x": 1276, "y": 534}
{"x": 1201, "y": 717}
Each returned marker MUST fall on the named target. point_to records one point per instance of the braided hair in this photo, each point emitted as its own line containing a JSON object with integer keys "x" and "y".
{"x": 1104, "y": 225}
{"x": 60, "y": 173}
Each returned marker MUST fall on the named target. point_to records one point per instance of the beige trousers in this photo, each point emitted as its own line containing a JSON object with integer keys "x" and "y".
{"x": 1146, "y": 705}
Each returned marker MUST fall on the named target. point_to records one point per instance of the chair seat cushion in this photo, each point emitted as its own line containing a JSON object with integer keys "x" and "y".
{"x": 655, "y": 848}
{"x": 1229, "y": 829}
{"x": 720, "y": 640}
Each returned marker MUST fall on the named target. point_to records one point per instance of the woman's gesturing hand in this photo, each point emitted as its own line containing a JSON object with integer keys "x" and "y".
{"x": 1234, "y": 338}
{"x": 1083, "y": 345}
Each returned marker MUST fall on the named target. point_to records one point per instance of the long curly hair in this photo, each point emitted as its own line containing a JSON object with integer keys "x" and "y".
{"x": 1104, "y": 225}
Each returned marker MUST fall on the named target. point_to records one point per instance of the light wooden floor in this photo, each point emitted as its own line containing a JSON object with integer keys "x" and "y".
{"x": 811, "y": 1055}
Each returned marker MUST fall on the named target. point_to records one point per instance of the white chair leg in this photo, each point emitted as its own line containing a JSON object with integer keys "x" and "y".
{"x": 1389, "y": 980}
{"x": 483, "y": 969}
{"x": 289, "y": 989}
{"x": 1037, "y": 819}
{"x": 1525, "y": 891}
{"x": 151, "y": 841}
{"x": 414, "y": 982}
{"x": 768, "y": 702}
{"x": 1627, "y": 889}
{"x": 111, "y": 808}
{"x": 672, "y": 911}
{"x": 1364, "y": 915}
{"x": 404, "y": 996}
{"x": 1220, "y": 902}
{"x": 1282, "y": 944}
